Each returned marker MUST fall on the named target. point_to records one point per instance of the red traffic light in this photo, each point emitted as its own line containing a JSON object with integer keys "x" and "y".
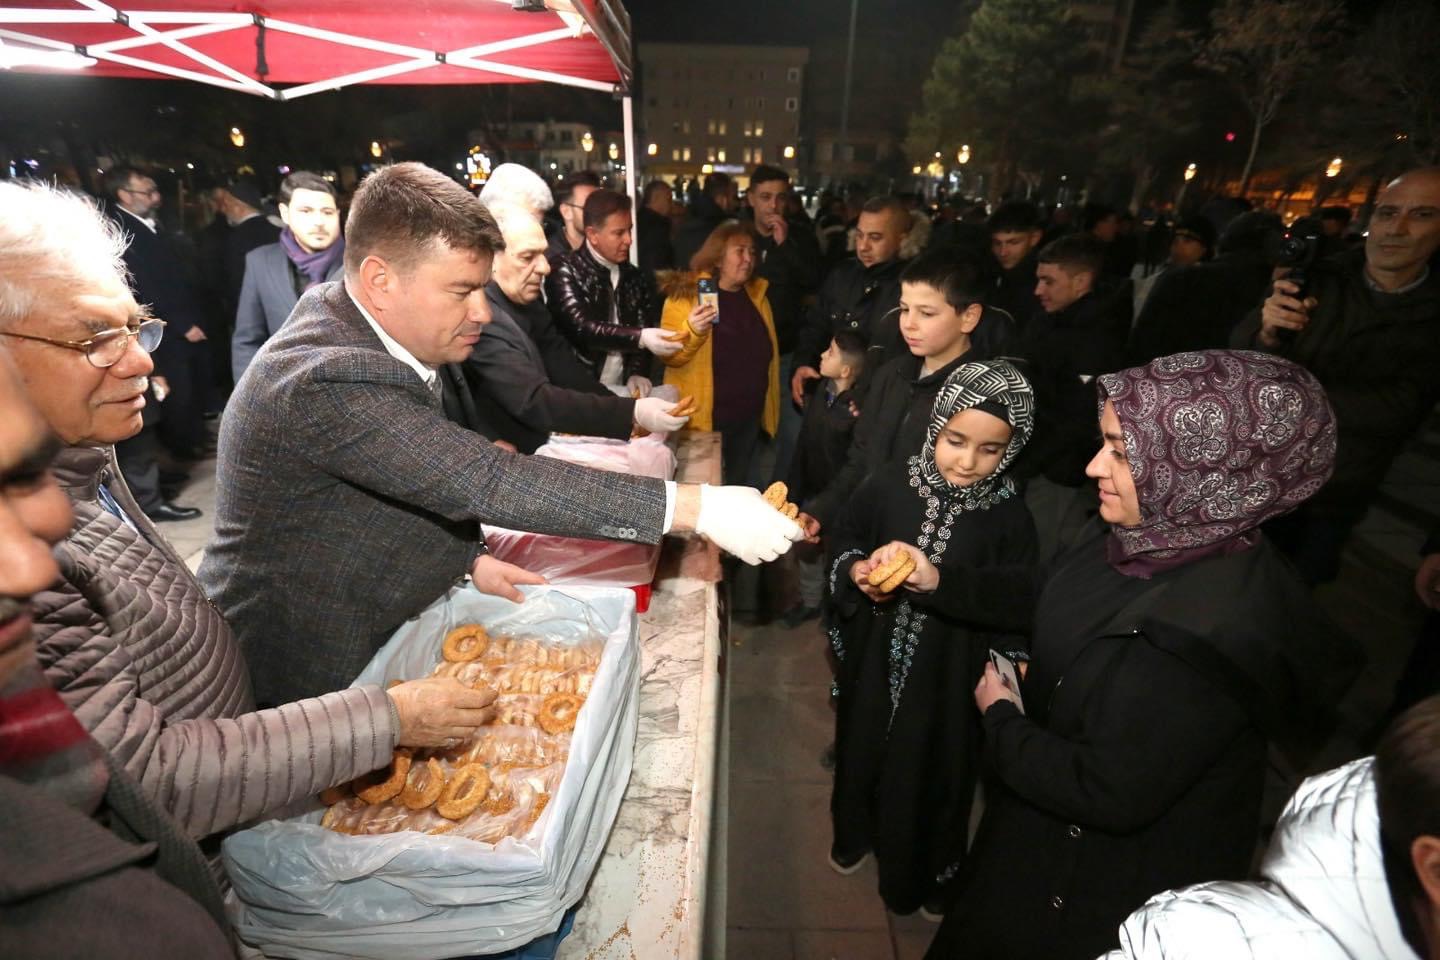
{"x": 1229, "y": 136}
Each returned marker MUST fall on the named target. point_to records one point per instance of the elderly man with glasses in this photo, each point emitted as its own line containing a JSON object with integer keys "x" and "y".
{"x": 126, "y": 635}
{"x": 174, "y": 418}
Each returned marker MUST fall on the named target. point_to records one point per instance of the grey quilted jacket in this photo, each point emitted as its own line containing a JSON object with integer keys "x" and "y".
{"x": 153, "y": 672}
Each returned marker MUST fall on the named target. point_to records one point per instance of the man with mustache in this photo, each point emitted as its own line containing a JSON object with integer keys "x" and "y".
{"x": 1369, "y": 329}
{"x": 125, "y": 635}
{"x": 78, "y": 838}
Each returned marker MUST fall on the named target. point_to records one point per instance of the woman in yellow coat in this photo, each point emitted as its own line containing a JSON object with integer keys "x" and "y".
{"x": 730, "y": 362}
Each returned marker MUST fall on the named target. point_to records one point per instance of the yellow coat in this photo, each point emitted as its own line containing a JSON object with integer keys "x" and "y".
{"x": 692, "y": 371}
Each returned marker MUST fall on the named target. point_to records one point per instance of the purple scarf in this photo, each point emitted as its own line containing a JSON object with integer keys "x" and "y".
{"x": 1219, "y": 442}
{"x": 315, "y": 267}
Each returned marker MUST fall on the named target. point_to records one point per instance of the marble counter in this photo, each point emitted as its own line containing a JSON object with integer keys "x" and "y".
{"x": 647, "y": 900}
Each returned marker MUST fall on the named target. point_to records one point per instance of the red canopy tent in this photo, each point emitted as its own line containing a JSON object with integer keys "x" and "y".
{"x": 285, "y": 49}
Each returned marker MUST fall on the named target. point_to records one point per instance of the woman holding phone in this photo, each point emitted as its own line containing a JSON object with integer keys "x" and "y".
{"x": 1169, "y": 644}
{"x": 729, "y": 361}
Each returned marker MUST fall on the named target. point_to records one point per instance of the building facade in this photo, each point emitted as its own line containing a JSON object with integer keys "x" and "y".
{"x": 708, "y": 107}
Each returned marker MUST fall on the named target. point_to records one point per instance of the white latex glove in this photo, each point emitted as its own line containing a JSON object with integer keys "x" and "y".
{"x": 653, "y": 413}
{"x": 653, "y": 339}
{"x": 740, "y": 522}
{"x": 638, "y": 386}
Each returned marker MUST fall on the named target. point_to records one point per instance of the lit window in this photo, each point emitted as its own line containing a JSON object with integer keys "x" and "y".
{"x": 759, "y": 155}
{"x": 685, "y": 126}
{"x": 722, "y": 128}
{"x": 749, "y": 129}
{"x": 687, "y": 154}
{"x": 710, "y": 154}
{"x": 710, "y": 128}
{"x": 759, "y": 129}
{"x": 675, "y": 154}
{"x": 720, "y": 155}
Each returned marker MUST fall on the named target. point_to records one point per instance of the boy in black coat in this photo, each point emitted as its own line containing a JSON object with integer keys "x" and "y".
{"x": 830, "y": 414}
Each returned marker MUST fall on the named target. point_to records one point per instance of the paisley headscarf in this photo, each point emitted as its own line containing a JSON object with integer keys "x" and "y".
{"x": 1219, "y": 441}
{"x": 999, "y": 388}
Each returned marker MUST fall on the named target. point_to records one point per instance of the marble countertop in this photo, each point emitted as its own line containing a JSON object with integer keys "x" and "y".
{"x": 647, "y": 899}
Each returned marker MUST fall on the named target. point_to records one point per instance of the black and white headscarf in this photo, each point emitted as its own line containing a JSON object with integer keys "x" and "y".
{"x": 1000, "y": 389}
{"x": 990, "y": 385}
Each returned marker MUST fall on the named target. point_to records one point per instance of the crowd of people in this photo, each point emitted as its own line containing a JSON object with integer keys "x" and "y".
{"x": 1062, "y": 497}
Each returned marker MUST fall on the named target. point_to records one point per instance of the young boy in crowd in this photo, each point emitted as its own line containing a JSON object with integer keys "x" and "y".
{"x": 940, "y": 311}
{"x": 911, "y": 644}
{"x": 824, "y": 441}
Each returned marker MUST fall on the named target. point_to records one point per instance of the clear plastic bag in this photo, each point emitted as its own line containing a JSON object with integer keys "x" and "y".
{"x": 307, "y": 892}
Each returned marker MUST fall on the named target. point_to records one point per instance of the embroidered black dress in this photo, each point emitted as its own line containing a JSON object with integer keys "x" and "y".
{"x": 907, "y": 731}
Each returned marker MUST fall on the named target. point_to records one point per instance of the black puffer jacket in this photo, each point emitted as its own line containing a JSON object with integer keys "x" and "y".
{"x": 578, "y": 292}
{"x": 856, "y": 298}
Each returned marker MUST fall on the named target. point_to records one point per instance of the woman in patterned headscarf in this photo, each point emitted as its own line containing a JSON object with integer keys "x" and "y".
{"x": 1169, "y": 644}
{"x": 906, "y": 737}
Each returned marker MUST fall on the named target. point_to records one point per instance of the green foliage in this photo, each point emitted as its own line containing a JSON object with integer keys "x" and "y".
{"x": 1004, "y": 86}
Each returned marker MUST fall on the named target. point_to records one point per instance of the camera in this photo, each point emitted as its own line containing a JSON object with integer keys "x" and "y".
{"x": 1299, "y": 249}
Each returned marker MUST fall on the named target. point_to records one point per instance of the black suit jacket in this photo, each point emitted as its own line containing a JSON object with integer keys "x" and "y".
{"x": 510, "y": 375}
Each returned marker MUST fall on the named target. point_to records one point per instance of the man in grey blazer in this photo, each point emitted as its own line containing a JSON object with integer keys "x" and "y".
{"x": 347, "y": 502}
{"x": 310, "y": 251}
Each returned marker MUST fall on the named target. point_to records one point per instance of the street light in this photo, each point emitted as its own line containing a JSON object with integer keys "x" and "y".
{"x": 789, "y": 153}
{"x": 915, "y": 169}
{"x": 587, "y": 142}
{"x": 1190, "y": 173}
{"x": 1333, "y": 170}
{"x": 375, "y": 149}
{"x": 237, "y": 137}
{"x": 614, "y": 152}
{"x": 964, "y": 155}
{"x": 652, "y": 149}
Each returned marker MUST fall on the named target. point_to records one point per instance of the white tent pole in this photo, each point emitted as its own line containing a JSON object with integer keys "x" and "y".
{"x": 374, "y": 73}
{"x": 212, "y": 80}
{"x": 200, "y": 30}
{"x": 317, "y": 33}
{"x": 190, "y": 16}
{"x": 525, "y": 73}
{"x": 53, "y": 16}
{"x": 36, "y": 41}
{"x": 203, "y": 59}
{"x": 632, "y": 164}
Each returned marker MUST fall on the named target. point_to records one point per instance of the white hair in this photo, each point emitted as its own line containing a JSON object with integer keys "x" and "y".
{"x": 515, "y": 184}
{"x": 49, "y": 234}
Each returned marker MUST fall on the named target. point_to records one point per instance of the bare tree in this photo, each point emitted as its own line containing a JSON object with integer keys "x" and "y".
{"x": 1266, "y": 47}
{"x": 1398, "y": 77}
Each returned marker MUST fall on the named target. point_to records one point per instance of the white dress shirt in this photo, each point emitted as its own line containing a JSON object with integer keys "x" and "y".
{"x": 428, "y": 376}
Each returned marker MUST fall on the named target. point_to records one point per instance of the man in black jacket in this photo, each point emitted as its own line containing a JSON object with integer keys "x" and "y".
{"x": 1079, "y": 335}
{"x": 1369, "y": 329}
{"x": 1015, "y": 233}
{"x": 862, "y": 295}
{"x": 182, "y": 369}
{"x": 604, "y": 305}
{"x": 657, "y": 251}
{"x": 570, "y": 197}
{"x": 717, "y": 202}
{"x": 1197, "y": 307}
{"x": 940, "y": 310}
{"x": 525, "y": 376}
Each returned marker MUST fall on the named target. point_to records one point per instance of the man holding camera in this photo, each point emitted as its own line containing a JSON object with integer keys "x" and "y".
{"x": 1367, "y": 324}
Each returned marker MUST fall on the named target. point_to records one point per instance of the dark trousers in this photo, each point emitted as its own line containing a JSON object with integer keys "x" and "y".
{"x": 1421, "y": 677}
{"x": 739, "y": 442}
{"x": 139, "y": 459}
{"x": 187, "y": 369}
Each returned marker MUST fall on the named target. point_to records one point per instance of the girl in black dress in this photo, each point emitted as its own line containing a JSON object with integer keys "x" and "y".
{"x": 906, "y": 730}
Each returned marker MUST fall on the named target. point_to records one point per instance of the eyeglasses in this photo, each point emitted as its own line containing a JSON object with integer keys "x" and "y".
{"x": 105, "y": 349}
{"x": 147, "y": 192}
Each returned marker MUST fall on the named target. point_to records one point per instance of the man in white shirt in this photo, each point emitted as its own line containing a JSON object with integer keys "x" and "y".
{"x": 347, "y": 502}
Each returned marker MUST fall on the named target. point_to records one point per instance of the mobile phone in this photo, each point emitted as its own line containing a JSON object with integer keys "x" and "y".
{"x": 1006, "y": 668}
{"x": 709, "y": 294}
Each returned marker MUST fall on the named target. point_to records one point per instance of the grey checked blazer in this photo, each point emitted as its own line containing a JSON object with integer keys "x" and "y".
{"x": 346, "y": 502}
{"x": 267, "y": 295}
